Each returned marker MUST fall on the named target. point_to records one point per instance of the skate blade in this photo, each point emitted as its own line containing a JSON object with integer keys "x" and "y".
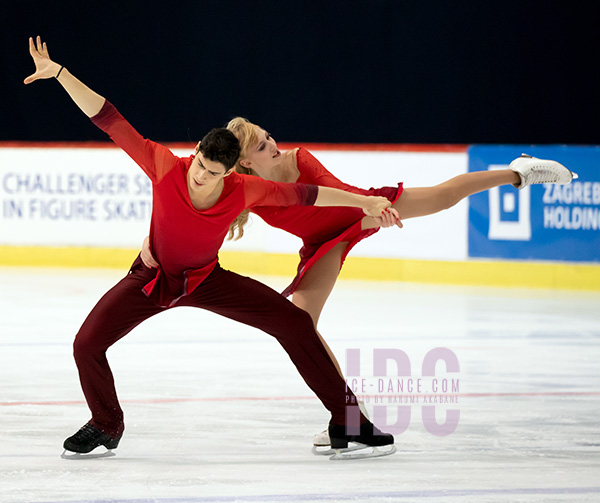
{"x": 92, "y": 455}
{"x": 327, "y": 450}
{"x": 361, "y": 451}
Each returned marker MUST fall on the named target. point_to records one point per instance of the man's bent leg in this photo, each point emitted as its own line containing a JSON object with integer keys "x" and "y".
{"x": 120, "y": 310}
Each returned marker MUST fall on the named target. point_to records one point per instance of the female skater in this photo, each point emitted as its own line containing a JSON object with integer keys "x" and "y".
{"x": 195, "y": 199}
{"x": 329, "y": 234}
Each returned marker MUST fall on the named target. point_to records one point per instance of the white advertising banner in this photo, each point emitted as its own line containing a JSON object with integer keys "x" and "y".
{"x": 99, "y": 197}
{"x": 72, "y": 197}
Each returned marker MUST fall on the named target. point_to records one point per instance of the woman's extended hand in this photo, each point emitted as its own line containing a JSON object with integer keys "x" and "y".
{"x": 45, "y": 68}
{"x": 389, "y": 218}
{"x": 146, "y": 255}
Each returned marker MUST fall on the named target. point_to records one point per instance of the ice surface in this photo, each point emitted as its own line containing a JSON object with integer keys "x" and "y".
{"x": 215, "y": 411}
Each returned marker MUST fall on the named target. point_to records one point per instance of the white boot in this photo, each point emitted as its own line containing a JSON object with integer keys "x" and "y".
{"x": 533, "y": 171}
{"x": 322, "y": 439}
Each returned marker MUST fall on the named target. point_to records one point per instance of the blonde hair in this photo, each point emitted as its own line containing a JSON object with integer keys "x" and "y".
{"x": 246, "y": 134}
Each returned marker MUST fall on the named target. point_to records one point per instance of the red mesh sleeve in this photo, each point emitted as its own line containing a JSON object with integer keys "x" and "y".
{"x": 259, "y": 192}
{"x": 153, "y": 158}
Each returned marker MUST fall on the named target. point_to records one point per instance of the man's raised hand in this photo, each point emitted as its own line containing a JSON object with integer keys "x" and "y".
{"x": 45, "y": 68}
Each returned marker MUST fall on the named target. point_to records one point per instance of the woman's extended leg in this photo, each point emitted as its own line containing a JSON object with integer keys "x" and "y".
{"x": 316, "y": 285}
{"x": 523, "y": 171}
{"x": 421, "y": 201}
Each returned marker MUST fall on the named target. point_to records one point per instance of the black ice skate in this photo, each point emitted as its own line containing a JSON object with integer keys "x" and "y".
{"x": 369, "y": 443}
{"x": 86, "y": 440}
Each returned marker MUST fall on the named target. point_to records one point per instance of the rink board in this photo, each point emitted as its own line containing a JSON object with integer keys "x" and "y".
{"x": 90, "y": 206}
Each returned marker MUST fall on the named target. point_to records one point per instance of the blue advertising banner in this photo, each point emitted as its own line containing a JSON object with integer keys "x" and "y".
{"x": 540, "y": 222}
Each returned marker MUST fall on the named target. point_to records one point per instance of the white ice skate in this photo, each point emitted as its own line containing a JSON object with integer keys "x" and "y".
{"x": 321, "y": 439}
{"x": 534, "y": 171}
{"x": 321, "y": 442}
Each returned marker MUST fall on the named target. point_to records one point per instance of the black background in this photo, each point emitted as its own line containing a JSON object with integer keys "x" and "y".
{"x": 312, "y": 71}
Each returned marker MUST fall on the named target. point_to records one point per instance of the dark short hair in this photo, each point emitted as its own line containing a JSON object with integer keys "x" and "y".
{"x": 221, "y": 145}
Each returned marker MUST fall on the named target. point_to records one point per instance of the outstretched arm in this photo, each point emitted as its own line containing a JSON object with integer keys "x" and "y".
{"x": 155, "y": 159}
{"x": 260, "y": 192}
{"x": 373, "y": 206}
{"x": 86, "y": 99}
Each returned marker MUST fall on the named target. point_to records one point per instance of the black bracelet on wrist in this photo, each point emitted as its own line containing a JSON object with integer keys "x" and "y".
{"x": 61, "y": 69}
